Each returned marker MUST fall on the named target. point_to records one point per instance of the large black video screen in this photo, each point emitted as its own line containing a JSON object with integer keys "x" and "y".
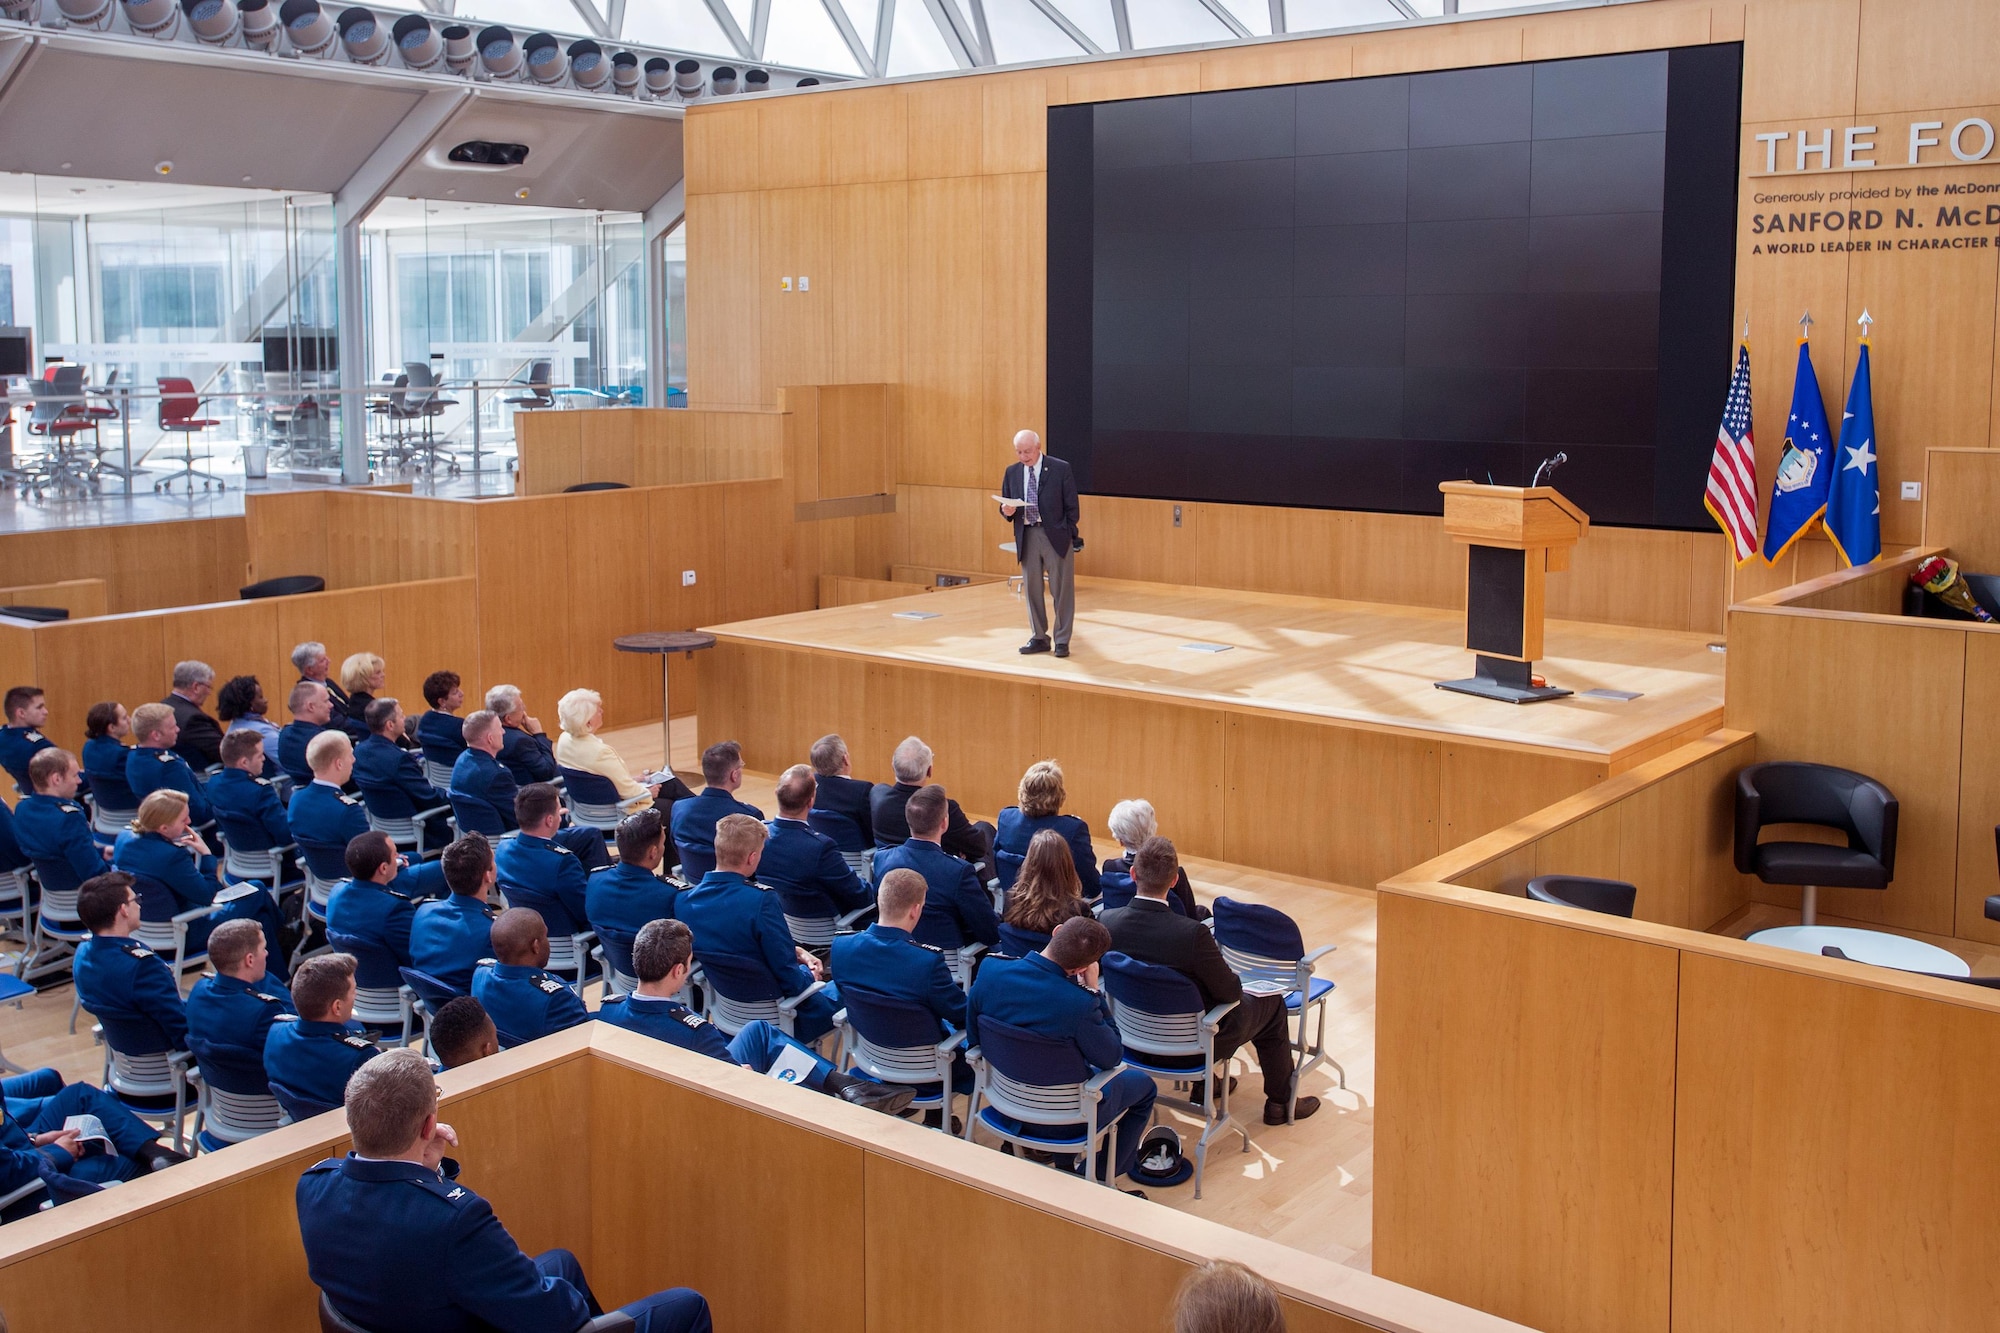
{"x": 1340, "y": 294}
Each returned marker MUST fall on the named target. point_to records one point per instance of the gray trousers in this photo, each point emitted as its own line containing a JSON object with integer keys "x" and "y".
{"x": 1039, "y": 560}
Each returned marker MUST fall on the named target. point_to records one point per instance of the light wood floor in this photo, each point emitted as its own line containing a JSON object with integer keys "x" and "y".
{"x": 1357, "y": 661}
{"x": 1305, "y": 1185}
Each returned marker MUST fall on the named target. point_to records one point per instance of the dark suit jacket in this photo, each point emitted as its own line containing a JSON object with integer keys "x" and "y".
{"x": 892, "y": 825}
{"x": 1152, "y": 932}
{"x": 201, "y": 739}
{"x": 1056, "y": 500}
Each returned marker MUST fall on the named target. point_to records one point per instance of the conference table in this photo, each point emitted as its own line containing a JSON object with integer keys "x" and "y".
{"x": 1866, "y": 946}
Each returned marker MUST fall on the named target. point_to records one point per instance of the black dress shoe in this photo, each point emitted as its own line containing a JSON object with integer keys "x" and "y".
{"x": 887, "y": 1098}
{"x": 1062, "y": 650}
{"x": 1274, "y": 1112}
{"x": 1034, "y": 646}
{"x": 158, "y": 1157}
{"x": 1199, "y": 1093}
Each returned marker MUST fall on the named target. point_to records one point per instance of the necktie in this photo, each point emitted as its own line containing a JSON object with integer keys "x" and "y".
{"x": 1033, "y": 493}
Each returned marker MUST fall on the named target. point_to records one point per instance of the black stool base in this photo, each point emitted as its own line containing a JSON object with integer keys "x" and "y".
{"x": 1503, "y": 679}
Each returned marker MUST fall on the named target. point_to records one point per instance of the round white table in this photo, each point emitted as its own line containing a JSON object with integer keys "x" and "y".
{"x": 1866, "y": 946}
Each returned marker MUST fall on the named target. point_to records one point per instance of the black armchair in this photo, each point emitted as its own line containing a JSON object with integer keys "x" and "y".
{"x": 1835, "y": 798}
{"x": 1613, "y": 897}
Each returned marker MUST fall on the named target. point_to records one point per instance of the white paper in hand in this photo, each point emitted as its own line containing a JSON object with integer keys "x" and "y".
{"x": 89, "y": 1128}
{"x": 791, "y": 1066}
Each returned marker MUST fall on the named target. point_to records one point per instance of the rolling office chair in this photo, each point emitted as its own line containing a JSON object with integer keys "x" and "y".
{"x": 541, "y": 388}
{"x": 425, "y": 404}
{"x": 333, "y": 1321}
{"x": 1612, "y": 897}
{"x": 57, "y": 418}
{"x": 1835, "y": 798}
{"x": 178, "y": 406}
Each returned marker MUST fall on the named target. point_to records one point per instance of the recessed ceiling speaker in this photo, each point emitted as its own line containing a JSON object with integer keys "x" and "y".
{"x": 363, "y": 35}
{"x": 625, "y": 73}
{"x": 480, "y": 153}
{"x": 86, "y": 13}
{"x": 687, "y": 79}
{"x": 544, "y": 57}
{"x": 588, "y": 68}
{"x": 459, "y": 48}
{"x": 214, "y": 22}
{"x": 417, "y": 43}
{"x": 308, "y": 28}
{"x": 499, "y": 52}
{"x": 260, "y": 24}
{"x": 659, "y": 76}
{"x": 756, "y": 80}
{"x": 722, "y": 80}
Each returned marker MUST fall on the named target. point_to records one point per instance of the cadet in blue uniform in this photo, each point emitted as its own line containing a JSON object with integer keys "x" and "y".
{"x": 398, "y": 1248}
{"x": 162, "y": 846}
{"x": 840, "y": 800}
{"x": 51, "y": 827}
{"x": 460, "y": 1032}
{"x": 367, "y": 905}
{"x": 694, "y": 819}
{"x": 312, "y": 1056}
{"x": 958, "y": 910}
{"x": 663, "y": 955}
{"x": 1055, "y": 993}
{"x": 804, "y": 866}
{"x": 441, "y": 731}
{"x": 11, "y": 855}
{"x": 104, "y": 728}
{"x": 27, "y": 713}
{"x": 34, "y": 1144}
{"x": 247, "y": 808}
{"x": 625, "y": 896}
{"x": 152, "y": 764}
{"x": 886, "y": 959}
{"x": 311, "y": 708}
{"x": 525, "y": 749}
{"x": 391, "y": 777}
{"x": 730, "y": 915}
{"x": 237, "y": 1003}
{"x": 524, "y": 1001}
{"x": 539, "y": 873}
{"x": 1041, "y": 796}
{"x": 323, "y": 817}
{"x": 449, "y": 938}
{"x": 119, "y": 979}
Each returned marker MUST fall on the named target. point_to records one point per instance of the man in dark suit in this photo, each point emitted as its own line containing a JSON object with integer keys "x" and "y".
{"x": 1152, "y": 932}
{"x": 200, "y": 740}
{"x": 840, "y": 798}
{"x": 912, "y": 764}
{"x": 1044, "y": 536}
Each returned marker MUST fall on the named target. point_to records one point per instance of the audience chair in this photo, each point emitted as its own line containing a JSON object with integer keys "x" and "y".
{"x": 571, "y": 956}
{"x": 1016, "y": 942}
{"x": 592, "y": 799}
{"x": 1990, "y": 983}
{"x": 236, "y": 1102}
{"x": 284, "y": 585}
{"x": 145, "y": 1081}
{"x": 736, "y": 991}
{"x": 895, "y": 1041}
{"x": 25, "y": 1201}
{"x": 477, "y": 817}
{"x": 431, "y": 996}
{"x": 13, "y": 990}
{"x": 324, "y": 867}
{"x": 1167, "y": 1034}
{"x": 17, "y": 907}
{"x": 107, "y": 822}
{"x": 1263, "y": 946}
{"x": 164, "y": 930}
{"x": 694, "y": 864}
{"x": 1045, "y": 1085}
{"x": 179, "y": 405}
{"x": 1612, "y": 897}
{"x": 438, "y": 772}
{"x": 817, "y": 932}
{"x": 541, "y": 388}
{"x": 297, "y": 1105}
{"x": 381, "y": 1000}
{"x": 614, "y": 960}
{"x": 1835, "y": 798}
{"x": 391, "y": 811}
{"x": 333, "y": 1321}
{"x": 58, "y": 930}
{"x": 265, "y": 868}
{"x": 846, "y": 834}
{"x": 964, "y": 963}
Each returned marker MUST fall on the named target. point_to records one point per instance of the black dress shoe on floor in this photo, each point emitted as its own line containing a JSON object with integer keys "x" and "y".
{"x": 892, "y": 1100}
{"x": 1274, "y": 1112}
{"x": 1199, "y": 1094}
{"x": 158, "y": 1157}
{"x": 1034, "y": 646}
{"x": 1062, "y": 650}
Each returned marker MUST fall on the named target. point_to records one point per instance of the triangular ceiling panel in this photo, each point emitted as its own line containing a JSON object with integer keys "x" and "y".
{"x": 804, "y": 36}
{"x": 683, "y": 25}
{"x": 1174, "y": 23}
{"x": 916, "y": 47}
{"x": 1022, "y": 33}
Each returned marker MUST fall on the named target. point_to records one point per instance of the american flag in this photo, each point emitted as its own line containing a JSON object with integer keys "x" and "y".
{"x": 1732, "y": 473}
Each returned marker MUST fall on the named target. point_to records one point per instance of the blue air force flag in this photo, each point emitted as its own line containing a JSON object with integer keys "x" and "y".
{"x": 1805, "y": 466}
{"x": 1854, "y": 502}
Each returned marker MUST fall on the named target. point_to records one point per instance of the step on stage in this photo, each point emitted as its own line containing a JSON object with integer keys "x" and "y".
{"x": 1314, "y": 743}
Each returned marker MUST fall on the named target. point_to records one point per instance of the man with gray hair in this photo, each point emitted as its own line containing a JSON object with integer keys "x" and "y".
{"x": 962, "y": 838}
{"x": 525, "y": 748}
{"x": 1039, "y": 494}
{"x": 398, "y": 1247}
{"x": 200, "y": 740}
{"x": 313, "y": 665}
{"x": 840, "y": 800}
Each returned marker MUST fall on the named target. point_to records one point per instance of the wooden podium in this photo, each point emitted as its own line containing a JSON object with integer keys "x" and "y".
{"x": 1515, "y": 535}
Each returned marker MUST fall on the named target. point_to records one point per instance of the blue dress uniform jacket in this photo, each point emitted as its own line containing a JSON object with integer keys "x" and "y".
{"x": 547, "y": 877}
{"x": 381, "y": 765}
{"x": 377, "y": 913}
{"x": 957, "y": 909}
{"x": 1016, "y": 830}
{"x": 757, "y": 1046}
{"x": 315, "y": 1059}
{"x": 624, "y": 898}
{"x": 887, "y": 961}
{"x": 808, "y": 872}
{"x": 481, "y": 780}
{"x": 449, "y": 938}
{"x": 227, "y": 1012}
{"x": 326, "y": 816}
{"x": 730, "y": 915}
{"x": 694, "y": 819}
{"x": 104, "y": 764}
{"x": 55, "y": 834}
{"x": 442, "y": 735}
{"x": 11, "y": 855}
{"x": 17, "y": 746}
{"x": 293, "y": 738}
{"x": 848, "y": 797}
{"x": 123, "y": 980}
{"x": 526, "y": 1002}
{"x": 192, "y": 884}
{"x": 528, "y": 757}
{"x": 147, "y": 770}
{"x": 248, "y": 811}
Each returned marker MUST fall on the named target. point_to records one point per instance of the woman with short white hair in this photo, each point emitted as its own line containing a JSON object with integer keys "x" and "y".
{"x": 580, "y": 713}
{"x": 1132, "y": 822}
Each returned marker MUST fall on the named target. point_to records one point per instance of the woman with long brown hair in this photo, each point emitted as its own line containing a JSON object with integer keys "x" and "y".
{"x": 1046, "y": 893}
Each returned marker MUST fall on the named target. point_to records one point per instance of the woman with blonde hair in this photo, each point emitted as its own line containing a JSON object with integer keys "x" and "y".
{"x": 1046, "y": 893}
{"x": 1223, "y": 1296}
{"x": 362, "y": 677}
{"x": 1041, "y": 798}
{"x": 580, "y": 713}
{"x": 176, "y": 872}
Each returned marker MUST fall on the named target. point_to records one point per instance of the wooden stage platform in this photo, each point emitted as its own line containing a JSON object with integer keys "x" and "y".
{"x": 1316, "y": 745}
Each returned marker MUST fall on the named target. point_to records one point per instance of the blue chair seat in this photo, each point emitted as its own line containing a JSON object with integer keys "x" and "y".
{"x": 1044, "y": 1137}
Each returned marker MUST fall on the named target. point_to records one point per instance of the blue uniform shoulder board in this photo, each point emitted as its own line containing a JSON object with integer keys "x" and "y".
{"x": 934, "y": 948}
{"x": 487, "y": 962}
{"x": 69, "y": 809}
{"x": 288, "y": 1018}
{"x": 164, "y": 756}
{"x": 398, "y": 893}
{"x": 136, "y": 949}
{"x": 262, "y": 782}
{"x": 357, "y": 1041}
{"x": 329, "y": 1164}
{"x": 560, "y": 850}
{"x": 445, "y": 1189}
{"x": 345, "y": 799}
{"x": 33, "y": 735}
{"x": 268, "y": 999}
{"x": 549, "y": 985}
{"x": 694, "y": 1020}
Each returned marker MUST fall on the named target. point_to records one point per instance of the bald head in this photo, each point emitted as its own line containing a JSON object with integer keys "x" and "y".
{"x": 520, "y": 937}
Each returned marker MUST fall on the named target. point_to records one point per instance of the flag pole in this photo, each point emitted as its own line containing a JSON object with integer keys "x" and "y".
{"x": 1867, "y": 321}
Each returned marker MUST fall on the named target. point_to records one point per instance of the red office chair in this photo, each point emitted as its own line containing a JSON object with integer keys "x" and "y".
{"x": 178, "y": 405}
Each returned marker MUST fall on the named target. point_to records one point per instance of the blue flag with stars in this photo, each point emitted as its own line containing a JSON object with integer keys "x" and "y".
{"x": 1854, "y": 505}
{"x": 1805, "y": 465}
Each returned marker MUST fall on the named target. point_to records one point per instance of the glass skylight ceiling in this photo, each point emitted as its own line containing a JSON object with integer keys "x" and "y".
{"x": 886, "y": 38}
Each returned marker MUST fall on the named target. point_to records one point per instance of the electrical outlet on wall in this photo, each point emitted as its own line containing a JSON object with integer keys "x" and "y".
{"x": 687, "y": 578}
{"x": 1913, "y": 490}
{"x": 805, "y": 283}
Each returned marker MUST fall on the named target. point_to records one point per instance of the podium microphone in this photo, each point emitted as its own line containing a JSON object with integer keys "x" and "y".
{"x": 1548, "y": 467}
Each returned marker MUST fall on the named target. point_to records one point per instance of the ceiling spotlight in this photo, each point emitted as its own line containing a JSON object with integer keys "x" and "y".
{"x": 521, "y": 193}
{"x": 86, "y": 13}
{"x": 260, "y": 24}
{"x": 659, "y": 76}
{"x": 545, "y": 59}
{"x": 363, "y": 36}
{"x": 459, "y": 50}
{"x": 687, "y": 79}
{"x": 214, "y": 22}
{"x": 154, "y": 18}
{"x": 756, "y": 80}
{"x": 722, "y": 80}
{"x": 21, "y": 11}
{"x": 417, "y": 43}
{"x": 499, "y": 52}
{"x": 625, "y": 73}
{"x": 164, "y": 168}
{"x": 308, "y": 27}
{"x": 588, "y": 69}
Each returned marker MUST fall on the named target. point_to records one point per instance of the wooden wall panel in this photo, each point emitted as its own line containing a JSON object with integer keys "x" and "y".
{"x": 1014, "y": 324}
{"x": 857, "y": 440}
{"x": 426, "y": 627}
{"x": 865, "y": 279}
{"x": 608, "y": 446}
{"x": 1138, "y": 539}
{"x": 943, "y": 353}
{"x": 347, "y": 622}
{"x": 867, "y": 137}
{"x": 82, "y": 662}
{"x": 721, "y": 148}
{"x": 1262, "y": 65}
{"x": 143, "y": 565}
{"x": 791, "y": 142}
{"x": 80, "y": 597}
{"x": 604, "y": 599}
{"x": 1484, "y": 787}
{"x": 794, "y": 241}
{"x": 686, "y": 533}
{"x": 549, "y": 449}
{"x": 1116, "y": 749}
{"x": 725, "y": 290}
{"x": 1799, "y": 62}
{"x": 234, "y": 638}
{"x": 524, "y": 554}
{"x": 1979, "y": 791}
{"x": 1524, "y": 1117}
{"x": 1961, "y": 497}
{"x": 849, "y": 590}
{"x": 947, "y": 120}
{"x": 955, "y": 527}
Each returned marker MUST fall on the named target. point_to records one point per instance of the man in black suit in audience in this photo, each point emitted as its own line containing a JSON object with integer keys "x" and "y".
{"x": 200, "y": 741}
{"x": 962, "y": 838}
{"x": 1152, "y": 932}
{"x": 839, "y": 792}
